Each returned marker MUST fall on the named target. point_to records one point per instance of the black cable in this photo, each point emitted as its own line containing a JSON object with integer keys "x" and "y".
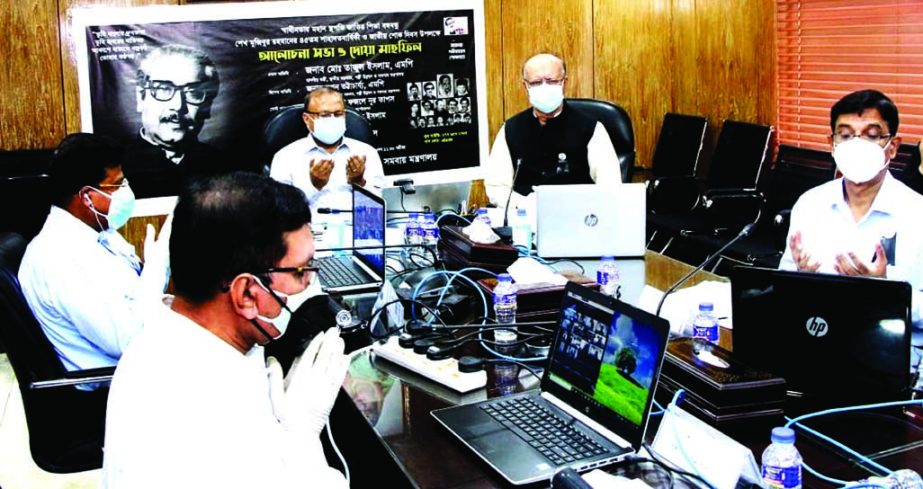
{"x": 656, "y": 460}
{"x": 390, "y": 332}
{"x": 568, "y": 260}
{"x": 521, "y": 364}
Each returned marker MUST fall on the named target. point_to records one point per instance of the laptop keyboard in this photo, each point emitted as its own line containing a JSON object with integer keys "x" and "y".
{"x": 543, "y": 430}
{"x": 340, "y": 271}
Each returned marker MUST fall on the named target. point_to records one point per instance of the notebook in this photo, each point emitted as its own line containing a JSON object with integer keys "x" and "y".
{"x": 437, "y": 197}
{"x": 835, "y": 339}
{"x": 590, "y": 220}
{"x": 597, "y": 390}
{"x": 364, "y": 268}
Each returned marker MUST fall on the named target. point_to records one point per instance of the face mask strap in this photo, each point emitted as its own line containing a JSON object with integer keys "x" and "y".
{"x": 256, "y": 324}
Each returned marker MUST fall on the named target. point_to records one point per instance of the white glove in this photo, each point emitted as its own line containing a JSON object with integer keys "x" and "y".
{"x": 302, "y": 402}
{"x": 156, "y": 271}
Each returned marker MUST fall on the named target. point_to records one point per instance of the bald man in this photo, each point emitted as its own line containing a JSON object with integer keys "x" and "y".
{"x": 555, "y": 143}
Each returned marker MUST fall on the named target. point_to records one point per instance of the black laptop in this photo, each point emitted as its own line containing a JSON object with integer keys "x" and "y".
{"x": 837, "y": 340}
{"x": 364, "y": 268}
{"x": 595, "y": 397}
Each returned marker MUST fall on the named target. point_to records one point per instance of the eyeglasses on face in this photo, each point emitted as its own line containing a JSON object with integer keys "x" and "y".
{"x": 543, "y": 81}
{"x": 164, "y": 91}
{"x": 300, "y": 273}
{"x": 870, "y": 136}
{"x": 116, "y": 186}
{"x": 324, "y": 115}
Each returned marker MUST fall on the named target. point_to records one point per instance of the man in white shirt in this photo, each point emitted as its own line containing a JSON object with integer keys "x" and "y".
{"x": 554, "y": 143}
{"x": 82, "y": 280}
{"x": 867, "y": 222}
{"x": 193, "y": 402}
{"x": 325, "y": 163}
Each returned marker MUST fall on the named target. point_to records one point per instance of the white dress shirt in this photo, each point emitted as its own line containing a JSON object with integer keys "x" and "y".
{"x": 498, "y": 173}
{"x": 186, "y": 409}
{"x": 292, "y": 165}
{"x": 828, "y": 228}
{"x": 83, "y": 286}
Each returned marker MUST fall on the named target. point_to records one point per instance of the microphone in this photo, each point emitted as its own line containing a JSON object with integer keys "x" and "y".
{"x": 506, "y": 232}
{"x": 743, "y": 233}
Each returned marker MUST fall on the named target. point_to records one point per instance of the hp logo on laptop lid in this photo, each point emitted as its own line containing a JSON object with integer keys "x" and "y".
{"x": 591, "y": 220}
{"x": 816, "y": 326}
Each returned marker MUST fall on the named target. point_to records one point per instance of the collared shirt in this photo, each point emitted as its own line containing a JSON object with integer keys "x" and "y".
{"x": 292, "y": 165}
{"x": 498, "y": 173}
{"x": 187, "y": 409}
{"x": 81, "y": 286}
{"x": 828, "y": 228}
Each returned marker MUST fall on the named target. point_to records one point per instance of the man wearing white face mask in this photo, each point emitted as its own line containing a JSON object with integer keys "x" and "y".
{"x": 82, "y": 280}
{"x": 554, "y": 143}
{"x": 193, "y": 402}
{"x": 325, "y": 163}
{"x": 867, "y": 222}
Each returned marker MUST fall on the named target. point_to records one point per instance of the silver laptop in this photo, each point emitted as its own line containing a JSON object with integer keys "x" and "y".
{"x": 595, "y": 398}
{"x": 437, "y": 197}
{"x": 590, "y": 220}
{"x": 364, "y": 268}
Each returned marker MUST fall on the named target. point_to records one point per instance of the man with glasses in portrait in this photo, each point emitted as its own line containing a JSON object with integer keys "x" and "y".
{"x": 554, "y": 143}
{"x": 326, "y": 163}
{"x": 175, "y": 88}
{"x": 866, "y": 222}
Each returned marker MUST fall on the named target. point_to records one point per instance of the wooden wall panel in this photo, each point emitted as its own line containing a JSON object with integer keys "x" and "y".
{"x": 495, "y": 62}
{"x": 30, "y": 80}
{"x": 71, "y": 93}
{"x": 564, "y": 27}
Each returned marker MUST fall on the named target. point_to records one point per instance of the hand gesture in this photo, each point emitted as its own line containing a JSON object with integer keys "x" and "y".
{"x": 320, "y": 172}
{"x": 850, "y": 264}
{"x": 355, "y": 170}
{"x": 801, "y": 258}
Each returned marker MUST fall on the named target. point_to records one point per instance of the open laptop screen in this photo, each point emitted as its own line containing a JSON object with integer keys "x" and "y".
{"x": 369, "y": 229}
{"x": 606, "y": 359}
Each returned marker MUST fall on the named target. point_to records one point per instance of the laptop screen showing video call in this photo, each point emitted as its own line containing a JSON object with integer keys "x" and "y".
{"x": 608, "y": 358}
{"x": 369, "y": 231}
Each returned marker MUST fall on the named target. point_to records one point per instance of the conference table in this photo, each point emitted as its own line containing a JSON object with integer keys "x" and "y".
{"x": 383, "y": 417}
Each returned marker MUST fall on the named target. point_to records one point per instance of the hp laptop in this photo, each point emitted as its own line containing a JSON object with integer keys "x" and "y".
{"x": 364, "y": 269}
{"x": 836, "y": 339}
{"x": 590, "y": 220}
{"x": 595, "y": 397}
{"x": 437, "y": 197}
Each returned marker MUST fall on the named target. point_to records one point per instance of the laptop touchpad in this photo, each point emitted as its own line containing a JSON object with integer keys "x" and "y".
{"x": 475, "y": 430}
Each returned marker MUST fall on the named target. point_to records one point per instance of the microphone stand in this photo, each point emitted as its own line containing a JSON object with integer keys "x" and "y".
{"x": 505, "y": 232}
{"x": 743, "y": 233}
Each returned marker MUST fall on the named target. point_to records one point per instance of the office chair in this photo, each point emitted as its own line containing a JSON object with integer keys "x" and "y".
{"x": 287, "y": 125}
{"x": 729, "y": 198}
{"x": 676, "y": 158}
{"x": 618, "y": 126}
{"x": 66, "y": 424}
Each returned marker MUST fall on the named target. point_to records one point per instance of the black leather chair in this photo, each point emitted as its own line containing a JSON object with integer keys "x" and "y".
{"x": 617, "y": 124}
{"x": 66, "y": 424}
{"x": 287, "y": 125}
{"x": 676, "y": 158}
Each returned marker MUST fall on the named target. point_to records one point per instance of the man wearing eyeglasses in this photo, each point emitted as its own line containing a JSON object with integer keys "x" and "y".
{"x": 176, "y": 86}
{"x": 326, "y": 163}
{"x": 866, "y": 222}
{"x": 194, "y": 402}
{"x": 555, "y": 143}
{"x": 81, "y": 279}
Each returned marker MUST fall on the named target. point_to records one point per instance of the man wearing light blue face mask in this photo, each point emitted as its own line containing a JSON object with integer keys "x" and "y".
{"x": 82, "y": 280}
{"x": 555, "y": 143}
{"x": 867, "y": 222}
{"x": 325, "y": 163}
{"x": 194, "y": 392}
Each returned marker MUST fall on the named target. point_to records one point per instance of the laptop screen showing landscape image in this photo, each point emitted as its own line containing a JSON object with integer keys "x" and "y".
{"x": 608, "y": 361}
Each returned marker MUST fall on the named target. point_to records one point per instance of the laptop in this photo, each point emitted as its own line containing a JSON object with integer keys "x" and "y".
{"x": 590, "y": 220}
{"x": 595, "y": 394}
{"x": 437, "y": 197}
{"x": 364, "y": 268}
{"x": 835, "y": 339}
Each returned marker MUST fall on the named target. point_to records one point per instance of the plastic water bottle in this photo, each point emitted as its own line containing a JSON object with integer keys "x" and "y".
{"x": 430, "y": 230}
{"x": 899, "y": 479}
{"x": 607, "y": 276}
{"x": 522, "y": 231}
{"x": 705, "y": 324}
{"x": 505, "y": 307}
{"x": 781, "y": 461}
{"x": 413, "y": 234}
{"x": 482, "y": 216}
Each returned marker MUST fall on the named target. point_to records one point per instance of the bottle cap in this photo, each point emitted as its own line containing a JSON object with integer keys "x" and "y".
{"x": 414, "y": 215}
{"x": 706, "y": 307}
{"x": 783, "y": 435}
{"x": 608, "y": 258}
{"x": 521, "y": 212}
{"x": 504, "y": 277}
{"x": 482, "y": 211}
